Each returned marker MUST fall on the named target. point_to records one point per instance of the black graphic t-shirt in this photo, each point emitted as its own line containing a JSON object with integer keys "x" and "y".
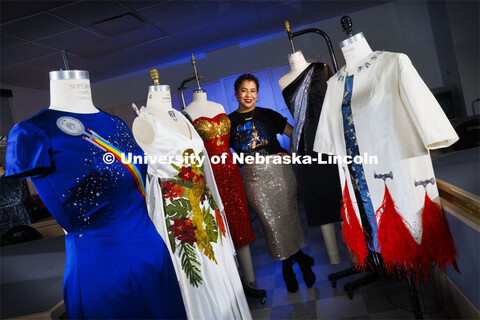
{"x": 258, "y": 134}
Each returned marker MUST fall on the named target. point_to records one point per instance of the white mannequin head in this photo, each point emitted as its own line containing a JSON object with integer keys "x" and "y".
{"x": 354, "y": 49}
{"x": 70, "y": 91}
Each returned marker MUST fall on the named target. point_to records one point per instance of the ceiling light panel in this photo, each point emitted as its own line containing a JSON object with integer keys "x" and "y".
{"x": 117, "y": 25}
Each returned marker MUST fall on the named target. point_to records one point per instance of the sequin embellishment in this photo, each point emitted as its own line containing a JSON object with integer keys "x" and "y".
{"x": 357, "y": 174}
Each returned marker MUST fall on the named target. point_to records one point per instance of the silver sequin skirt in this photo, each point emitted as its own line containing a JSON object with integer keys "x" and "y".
{"x": 272, "y": 192}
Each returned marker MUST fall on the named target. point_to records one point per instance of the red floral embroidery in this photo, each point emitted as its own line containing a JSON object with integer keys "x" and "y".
{"x": 220, "y": 221}
{"x": 171, "y": 190}
{"x": 186, "y": 174}
{"x": 204, "y": 197}
{"x": 184, "y": 231}
{"x": 199, "y": 178}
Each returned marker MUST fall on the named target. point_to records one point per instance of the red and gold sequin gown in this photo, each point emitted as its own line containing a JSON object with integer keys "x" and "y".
{"x": 215, "y": 133}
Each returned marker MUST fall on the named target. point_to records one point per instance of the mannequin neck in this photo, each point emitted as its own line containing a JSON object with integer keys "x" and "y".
{"x": 354, "y": 50}
{"x": 298, "y": 64}
{"x": 199, "y": 96}
{"x": 159, "y": 101}
{"x": 201, "y": 107}
{"x": 297, "y": 61}
{"x": 71, "y": 95}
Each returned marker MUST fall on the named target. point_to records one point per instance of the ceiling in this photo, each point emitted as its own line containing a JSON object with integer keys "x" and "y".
{"x": 113, "y": 38}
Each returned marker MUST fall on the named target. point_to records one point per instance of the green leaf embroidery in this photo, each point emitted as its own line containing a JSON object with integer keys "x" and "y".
{"x": 210, "y": 199}
{"x": 178, "y": 209}
{"x": 190, "y": 264}
{"x": 210, "y": 225}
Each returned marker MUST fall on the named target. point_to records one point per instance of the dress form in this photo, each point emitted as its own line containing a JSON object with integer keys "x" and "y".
{"x": 201, "y": 107}
{"x": 360, "y": 103}
{"x": 354, "y": 49}
{"x": 297, "y": 65}
{"x": 101, "y": 203}
{"x": 159, "y": 105}
{"x": 70, "y": 91}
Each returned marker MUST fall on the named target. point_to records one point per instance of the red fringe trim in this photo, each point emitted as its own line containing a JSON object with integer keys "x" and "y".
{"x": 437, "y": 245}
{"x": 352, "y": 231}
{"x": 395, "y": 242}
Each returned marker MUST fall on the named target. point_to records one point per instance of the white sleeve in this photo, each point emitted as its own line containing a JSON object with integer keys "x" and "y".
{"x": 324, "y": 142}
{"x": 430, "y": 121}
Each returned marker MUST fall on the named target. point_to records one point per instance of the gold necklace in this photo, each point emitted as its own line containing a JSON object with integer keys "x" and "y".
{"x": 249, "y": 118}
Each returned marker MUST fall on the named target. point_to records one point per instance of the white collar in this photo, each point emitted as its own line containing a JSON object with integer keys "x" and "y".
{"x": 362, "y": 66}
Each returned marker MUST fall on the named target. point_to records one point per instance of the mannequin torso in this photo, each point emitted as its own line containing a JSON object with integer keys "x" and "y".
{"x": 290, "y": 84}
{"x": 70, "y": 92}
{"x": 159, "y": 105}
{"x": 236, "y": 207}
{"x": 355, "y": 49}
{"x": 201, "y": 107}
{"x": 297, "y": 64}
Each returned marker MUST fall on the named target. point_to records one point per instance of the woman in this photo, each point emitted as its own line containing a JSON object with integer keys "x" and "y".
{"x": 271, "y": 188}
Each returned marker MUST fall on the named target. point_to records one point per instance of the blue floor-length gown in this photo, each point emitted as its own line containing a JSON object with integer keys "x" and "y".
{"x": 117, "y": 265}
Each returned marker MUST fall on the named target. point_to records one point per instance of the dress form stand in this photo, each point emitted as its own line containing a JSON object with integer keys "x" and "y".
{"x": 159, "y": 105}
{"x": 201, "y": 107}
{"x": 297, "y": 65}
{"x": 352, "y": 56}
{"x": 317, "y": 31}
{"x": 355, "y": 50}
{"x": 296, "y": 60}
{"x": 70, "y": 91}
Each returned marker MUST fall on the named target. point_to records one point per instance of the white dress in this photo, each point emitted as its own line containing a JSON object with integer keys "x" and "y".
{"x": 184, "y": 204}
{"x": 393, "y": 116}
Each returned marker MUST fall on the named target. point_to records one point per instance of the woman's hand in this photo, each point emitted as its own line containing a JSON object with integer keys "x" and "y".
{"x": 288, "y": 131}
{"x": 283, "y": 155}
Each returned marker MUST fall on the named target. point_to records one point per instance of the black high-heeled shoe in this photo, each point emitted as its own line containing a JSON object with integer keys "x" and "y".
{"x": 305, "y": 262}
{"x": 289, "y": 276}
{"x": 254, "y": 293}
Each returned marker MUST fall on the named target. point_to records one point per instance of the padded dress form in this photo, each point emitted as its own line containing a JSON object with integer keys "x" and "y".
{"x": 185, "y": 206}
{"x": 215, "y": 133}
{"x": 384, "y": 109}
{"x": 117, "y": 266}
{"x": 319, "y": 183}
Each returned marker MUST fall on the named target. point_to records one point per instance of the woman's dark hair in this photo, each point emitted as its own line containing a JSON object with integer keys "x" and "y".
{"x": 246, "y": 77}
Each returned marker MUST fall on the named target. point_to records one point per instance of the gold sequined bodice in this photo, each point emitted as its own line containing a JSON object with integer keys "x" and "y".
{"x": 210, "y": 128}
